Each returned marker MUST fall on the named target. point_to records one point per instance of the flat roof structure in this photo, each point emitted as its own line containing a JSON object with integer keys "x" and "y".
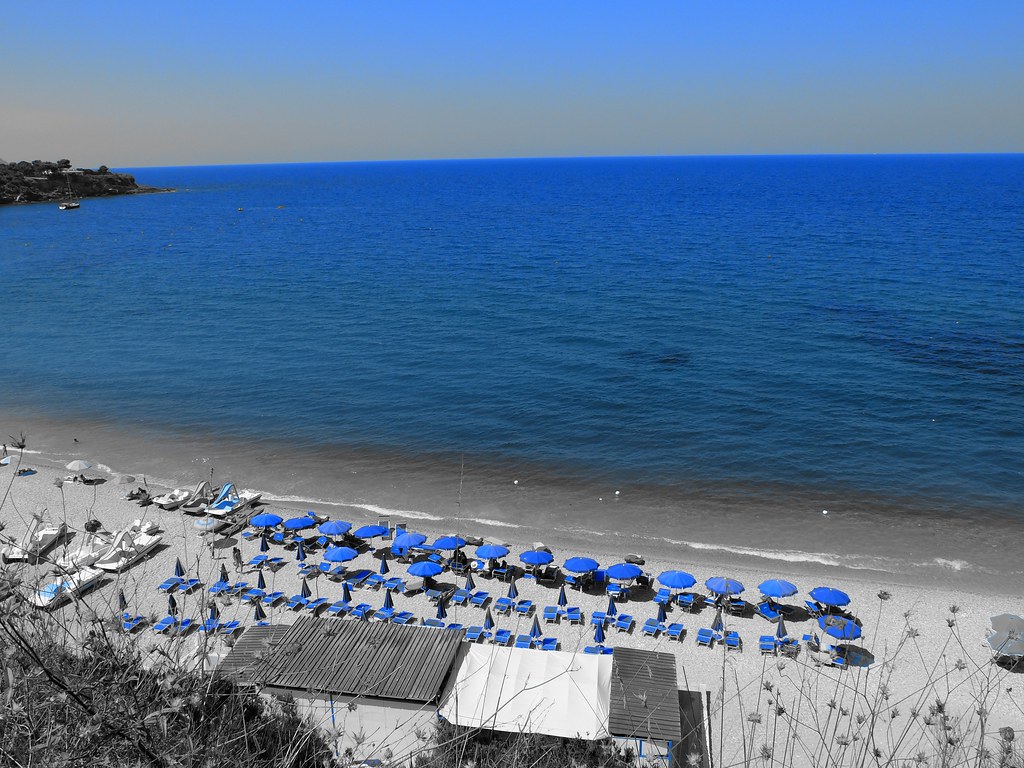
{"x": 644, "y": 699}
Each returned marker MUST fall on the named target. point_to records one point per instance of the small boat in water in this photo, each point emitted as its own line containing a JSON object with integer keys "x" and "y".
{"x": 69, "y": 205}
{"x": 66, "y": 588}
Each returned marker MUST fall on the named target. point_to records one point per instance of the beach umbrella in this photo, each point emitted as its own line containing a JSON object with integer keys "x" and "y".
{"x": 346, "y": 593}
{"x": 718, "y": 625}
{"x": 676, "y": 579}
{"x": 624, "y": 571}
{"x": 470, "y": 584}
{"x": 261, "y": 583}
{"x": 441, "y": 612}
{"x": 172, "y": 605}
{"x": 214, "y": 615}
{"x": 536, "y": 557}
{"x": 79, "y": 466}
{"x": 661, "y": 614}
{"x": 264, "y": 543}
{"x": 407, "y": 540}
{"x": 124, "y": 479}
{"x": 1007, "y": 637}
{"x": 449, "y": 542}
{"x": 491, "y": 551}
{"x": 612, "y": 610}
{"x": 488, "y": 620}
{"x": 580, "y": 565}
{"x": 265, "y": 520}
{"x": 259, "y": 614}
{"x": 843, "y": 630}
{"x": 122, "y": 604}
{"x": 178, "y": 570}
{"x": 599, "y": 633}
{"x": 339, "y": 554}
{"x": 383, "y": 566}
{"x": 723, "y": 586}
{"x": 335, "y": 528}
{"x": 424, "y": 569}
{"x": 299, "y": 523}
{"x": 781, "y": 633}
{"x": 513, "y": 593}
{"x": 1008, "y": 622}
{"x": 562, "y": 599}
{"x": 777, "y": 588}
{"x": 306, "y": 592}
{"x": 223, "y": 572}
{"x": 830, "y": 596}
{"x": 371, "y": 531}
{"x": 388, "y": 602}
{"x": 535, "y": 629}
{"x": 300, "y": 550}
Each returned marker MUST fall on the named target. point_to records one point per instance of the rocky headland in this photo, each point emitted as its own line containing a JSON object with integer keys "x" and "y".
{"x": 41, "y": 181}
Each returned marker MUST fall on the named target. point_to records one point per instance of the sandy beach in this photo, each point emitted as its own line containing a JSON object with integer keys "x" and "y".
{"x": 927, "y": 640}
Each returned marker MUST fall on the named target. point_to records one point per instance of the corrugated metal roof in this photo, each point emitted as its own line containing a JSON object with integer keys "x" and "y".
{"x": 251, "y": 652}
{"x": 644, "y": 695}
{"x": 359, "y": 658}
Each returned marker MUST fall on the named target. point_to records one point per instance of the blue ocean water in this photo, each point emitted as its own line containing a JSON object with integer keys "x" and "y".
{"x": 848, "y": 329}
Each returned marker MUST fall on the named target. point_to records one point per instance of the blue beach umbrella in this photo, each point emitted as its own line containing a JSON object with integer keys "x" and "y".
{"x": 781, "y": 633}
{"x": 424, "y": 569}
{"x": 599, "y": 633}
{"x": 676, "y": 579}
{"x": 718, "y": 625}
{"x": 441, "y": 612}
{"x": 339, "y": 554}
{"x": 178, "y": 570}
{"x": 306, "y": 592}
{"x": 624, "y": 571}
{"x": 661, "y": 614}
{"x": 488, "y": 620}
{"x": 580, "y": 565}
{"x": 223, "y": 573}
{"x": 449, "y": 542}
{"x": 261, "y": 583}
{"x": 723, "y": 586}
{"x": 777, "y": 588}
{"x": 843, "y": 630}
{"x": 470, "y": 584}
{"x": 299, "y": 523}
{"x": 172, "y": 605}
{"x": 830, "y": 596}
{"x": 259, "y": 614}
{"x": 335, "y": 528}
{"x": 388, "y": 602}
{"x": 407, "y": 540}
{"x": 300, "y": 550}
{"x": 562, "y": 599}
{"x": 265, "y": 520}
{"x": 513, "y": 593}
{"x": 264, "y": 543}
{"x": 346, "y": 593}
{"x": 535, "y": 631}
{"x": 536, "y": 557}
{"x": 612, "y": 610}
{"x": 122, "y": 603}
{"x": 383, "y": 566}
{"x": 214, "y": 615}
{"x": 491, "y": 551}
{"x": 371, "y": 531}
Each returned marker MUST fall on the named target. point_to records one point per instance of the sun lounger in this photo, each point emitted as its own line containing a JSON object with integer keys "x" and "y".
{"x": 257, "y": 561}
{"x": 210, "y": 625}
{"x": 363, "y": 610}
{"x": 733, "y": 642}
{"x": 330, "y": 569}
{"x": 252, "y": 595}
{"x": 480, "y": 598}
{"x": 524, "y": 607}
{"x": 171, "y": 584}
{"x": 474, "y": 633}
{"x": 765, "y": 611}
{"x": 502, "y": 637}
{"x": 812, "y": 641}
{"x": 598, "y": 650}
{"x": 709, "y": 600}
{"x": 839, "y": 661}
{"x": 675, "y": 631}
{"x": 220, "y": 586}
{"x": 813, "y": 608}
{"x": 229, "y": 628}
{"x": 356, "y": 579}
{"x": 524, "y": 641}
{"x": 766, "y": 644}
{"x": 574, "y": 615}
{"x": 705, "y": 637}
{"x": 296, "y": 602}
{"x": 461, "y": 597}
{"x": 652, "y": 627}
{"x": 624, "y": 622}
{"x": 384, "y": 614}
{"x": 551, "y": 614}
{"x": 403, "y": 617}
{"x": 305, "y": 570}
{"x": 616, "y": 591}
{"x": 315, "y": 605}
{"x": 687, "y": 601}
{"x": 548, "y": 644}
{"x": 433, "y": 623}
{"x": 599, "y": 617}
{"x": 189, "y": 585}
{"x": 338, "y": 609}
{"x": 790, "y": 648}
{"x": 237, "y": 588}
{"x": 454, "y": 627}
{"x": 737, "y": 607}
{"x": 395, "y": 584}
{"x": 504, "y": 605}
{"x": 273, "y": 598}
{"x": 664, "y": 596}
{"x": 373, "y": 581}
{"x": 130, "y": 623}
{"x": 164, "y": 625}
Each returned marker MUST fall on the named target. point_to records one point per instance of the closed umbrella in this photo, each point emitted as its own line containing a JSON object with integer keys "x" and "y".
{"x": 513, "y": 593}
{"x": 122, "y": 604}
{"x": 624, "y": 571}
{"x": 264, "y": 543}
{"x": 441, "y": 612}
{"x": 491, "y": 551}
{"x": 172, "y": 605}
{"x": 214, "y": 615}
{"x": 470, "y": 584}
{"x": 676, "y": 579}
{"x": 424, "y": 569}
{"x": 388, "y": 602}
{"x": 178, "y": 570}
{"x": 580, "y": 565}
{"x": 300, "y": 550}
{"x": 346, "y": 593}
{"x": 718, "y": 625}
{"x": 781, "y": 633}
{"x": 259, "y": 614}
{"x": 261, "y": 583}
{"x": 562, "y": 599}
{"x": 599, "y": 633}
{"x": 335, "y": 528}
{"x": 305, "y": 589}
{"x": 535, "y": 629}
{"x": 488, "y": 620}
{"x": 661, "y": 614}
{"x": 612, "y": 610}
{"x": 383, "y": 566}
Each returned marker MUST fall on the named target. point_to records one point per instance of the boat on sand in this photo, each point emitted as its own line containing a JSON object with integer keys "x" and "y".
{"x": 181, "y": 496}
{"x": 231, "y": 500}
{"x": 66, "y": 588}
{"x": 38, "y": 540}
{"x": 129, "y": 546}
{"x": 199, "y": 499}
{"x": 93, "y": 545}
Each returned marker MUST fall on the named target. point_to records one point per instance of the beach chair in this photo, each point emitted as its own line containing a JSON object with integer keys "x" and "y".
{"x": 454, "y": 627}
{"x": 733, "y": 641}
{"x": 384, "y": 614}
{"x": 599, "y": 617}
{"x": 433, "y": 595}
{"x": 330, "y": 569}
{"x": 594, "y": 650}
{"x": 551, "y": 614}
{"x": 502, "y": 637}
{"x": 710, "y": 601}
{"x": 474, "y": 633}
{"x": 373, "y": 581}
{"x": 296, "y": 602}
{"x": 504, "y": 605}
{"x": 252, "y": 595}
{"x": 306, "y": 570}
{"x": 480, "y": 598}
{"x": 524, "y": 607}
{"x": 237, "y": 588}
{"x": 664, "y": 596}
{"x": 189, "y": 585}
{"x": 356, "y": 579}
{"x": 548, "y": 644}
{"x": 315, "y": 605}
{"x": 363, "y": 610}
{"x": 615, "y": 591}
{"x": 624, "y": 622}
{"x": 228, "y": 629}
{"x": 183, "y": 626}
{"x": 274, "y": 564}
{"x": 765, "y": 611}
{"x": 652, "y": 627}
{"x": 574, "y": 615}
{"x": 273, "y": 598}
{"x": 460, "y": 597}
{"x": 524, "y": 641}
{"x": 171, "y": 584}
{"x": 257, "y": 561}
{"x": 338, "y": 609}
{"x": 839, "y": 662}
{"x": 705, "y": 637}
{"x": 210, "y": 625}
{"x": 403, "y": 617}
{"x": 812, "y": 641}
{"x": 789, "y": 648}
{"x": 395, "y": 584}
{"x": 737, "y": 607}
{"x": 433, "y": 623}
{"x": 164, "y": 625}
{"x": 675, "y": 631}
{"x": 500, "y": 573}
{"x": 766, "y": 644}
{"x": 130, "y": 623}
{"x": 220, "y": 586}
{"x": 687, "y": 601}
{"x": 813, "y": 608}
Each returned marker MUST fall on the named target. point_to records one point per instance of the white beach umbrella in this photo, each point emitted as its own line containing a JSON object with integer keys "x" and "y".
{"x": 79, "y": 465}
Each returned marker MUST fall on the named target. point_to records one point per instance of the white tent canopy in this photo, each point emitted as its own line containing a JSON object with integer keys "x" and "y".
{"x": 519, "y": 690}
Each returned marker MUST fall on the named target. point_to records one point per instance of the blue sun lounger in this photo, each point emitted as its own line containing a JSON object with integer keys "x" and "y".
{"x": 574, "y": 615}
{"x": 733, "y": 642}
{"x": 652, "y": 627}
{"x": 549, "y": 644}
{"x": 130, "y": 623}
{"x": 675, "y": 631}
{"x": 765, "y": 611}
{"x": 273, "y": 598}
{"x": 230, "y": 628}
{"x": 315, "y": 605}
{"x": 475, "y": 633}
{"x": 171, "y": 584}
{"x": 524, "y": 607}
{"x": 502, "y": 637}
{"x": 599, "y": 617}
{"x": 504, "y": 605}
{"x": 624, "y": 622}
{"x": 220, "y": 586}
{"x": 598, "y": 650}
{"x": 480, "y": 598}
{"x": 664, "y": 596}
{"x": 551, "y": 614}
{"x": 403, "y": 617}
{"x": 433, "y": 623}
{"x": 766, "y": 644}
{"x": 705, "y": 637}
{"x": 338, "y": 609}
{"x": 524, "y": 641}
{"x": 461, "y": 597}
{"x": 384, "y": 614}
{"x": 363, "y": 610}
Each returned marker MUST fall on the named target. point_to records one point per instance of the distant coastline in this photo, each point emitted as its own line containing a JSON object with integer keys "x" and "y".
{"x": 42, "y": 181}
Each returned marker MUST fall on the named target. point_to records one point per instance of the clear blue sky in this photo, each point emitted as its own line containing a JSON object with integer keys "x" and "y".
{"x": 135, "y": 83}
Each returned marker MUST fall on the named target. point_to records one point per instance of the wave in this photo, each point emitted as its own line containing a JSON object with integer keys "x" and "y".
{"x": 785, "y": 555}
{"x": 494, "y": 523}
{"x": 374, "y": 508}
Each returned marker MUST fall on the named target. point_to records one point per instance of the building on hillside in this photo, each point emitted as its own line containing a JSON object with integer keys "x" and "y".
{"x": 373, "y": 687}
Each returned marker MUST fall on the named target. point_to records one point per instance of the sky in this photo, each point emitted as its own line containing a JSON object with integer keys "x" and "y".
{"x": 131, "y": 84}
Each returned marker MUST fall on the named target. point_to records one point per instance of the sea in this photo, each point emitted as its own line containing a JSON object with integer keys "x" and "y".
{"x": 806, "y": 364}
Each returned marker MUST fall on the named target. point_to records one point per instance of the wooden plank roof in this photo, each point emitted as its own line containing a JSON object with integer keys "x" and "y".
{"x": 360, "y": 658}
{"x": 644, "y": 695}
{"x": 251, "y": 652}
